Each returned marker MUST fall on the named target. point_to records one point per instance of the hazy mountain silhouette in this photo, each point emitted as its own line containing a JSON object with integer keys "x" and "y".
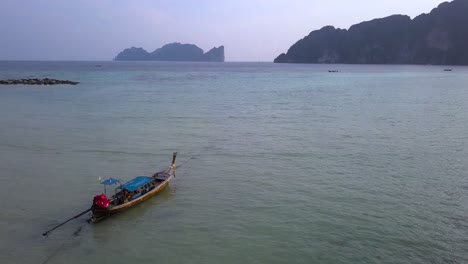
{"x": 172, "y": 52}
{"x": 440, "y": 37}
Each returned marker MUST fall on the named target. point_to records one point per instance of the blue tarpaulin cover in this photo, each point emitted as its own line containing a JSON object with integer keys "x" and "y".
{"x": 110, "y": 181}
{"x": 136, "y": 183}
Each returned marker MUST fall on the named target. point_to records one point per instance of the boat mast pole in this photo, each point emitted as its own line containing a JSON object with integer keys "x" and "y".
{"x": 174, "y": 155}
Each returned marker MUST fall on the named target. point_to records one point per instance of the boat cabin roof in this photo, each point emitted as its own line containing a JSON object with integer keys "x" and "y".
{"x": 136, "y": 183}
{"x": 110, "y": 181}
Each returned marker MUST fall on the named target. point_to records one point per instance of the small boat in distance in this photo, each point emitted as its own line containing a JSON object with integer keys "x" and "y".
{"x": 448, "y": 70}
{"x": 131, "y": 193}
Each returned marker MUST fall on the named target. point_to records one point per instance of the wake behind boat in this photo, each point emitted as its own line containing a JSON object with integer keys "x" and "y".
{"x": 131, "y": 193}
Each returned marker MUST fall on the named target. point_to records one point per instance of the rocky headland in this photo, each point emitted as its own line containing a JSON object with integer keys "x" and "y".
{"x": 172, "y": 52}
{"x": 45, "y": 81}
{"x": 440, "y": 37}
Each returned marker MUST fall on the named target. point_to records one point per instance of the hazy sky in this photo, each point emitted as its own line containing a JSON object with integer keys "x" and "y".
{"x": 250, "y": 30}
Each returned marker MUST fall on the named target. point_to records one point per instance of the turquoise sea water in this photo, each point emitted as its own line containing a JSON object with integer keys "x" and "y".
{"x": 279, "y": 163}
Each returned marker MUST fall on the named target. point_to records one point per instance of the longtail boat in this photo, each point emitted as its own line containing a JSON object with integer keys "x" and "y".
{"x": 131, "y": 193}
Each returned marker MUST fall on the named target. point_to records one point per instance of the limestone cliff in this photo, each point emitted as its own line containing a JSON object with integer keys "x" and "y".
{"x": 440, "y": 37}
{"x": 172, "y": 52}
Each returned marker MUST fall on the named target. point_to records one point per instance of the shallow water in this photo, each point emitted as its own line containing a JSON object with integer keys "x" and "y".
{"x": 280, "y": 163}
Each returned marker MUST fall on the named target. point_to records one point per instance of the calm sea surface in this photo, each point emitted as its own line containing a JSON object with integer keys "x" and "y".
{"x": 279, "y": 163}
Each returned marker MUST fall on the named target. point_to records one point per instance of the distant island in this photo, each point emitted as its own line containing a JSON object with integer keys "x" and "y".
{"x": 172, "y": 52}
{"x": 440, "y": 37}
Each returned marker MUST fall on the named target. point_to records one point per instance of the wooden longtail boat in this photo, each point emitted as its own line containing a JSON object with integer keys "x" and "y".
{"x": 131, "y": 193}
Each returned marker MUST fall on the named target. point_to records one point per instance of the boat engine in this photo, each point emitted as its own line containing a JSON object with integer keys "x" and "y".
{"x": 101, "y": 201}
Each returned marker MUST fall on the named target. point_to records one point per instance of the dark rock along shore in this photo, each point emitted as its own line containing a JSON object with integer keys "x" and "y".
{"x": 45, "y": 81}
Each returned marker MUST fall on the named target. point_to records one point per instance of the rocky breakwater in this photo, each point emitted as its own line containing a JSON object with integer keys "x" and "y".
{"x": 45, "y": 81}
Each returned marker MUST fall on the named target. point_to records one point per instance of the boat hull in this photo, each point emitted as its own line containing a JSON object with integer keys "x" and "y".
{"x": 99, "y": 214}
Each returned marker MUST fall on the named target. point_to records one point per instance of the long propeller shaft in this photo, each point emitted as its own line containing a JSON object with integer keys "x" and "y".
{"x": 76, "y": 216}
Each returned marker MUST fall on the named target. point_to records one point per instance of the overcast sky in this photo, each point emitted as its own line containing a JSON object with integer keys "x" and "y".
{"x": 250, "y": 30}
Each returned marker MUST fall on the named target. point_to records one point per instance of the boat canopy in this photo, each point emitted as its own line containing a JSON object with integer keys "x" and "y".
{"x": 136, "y": 183}
{"x": 110, "y": 181}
